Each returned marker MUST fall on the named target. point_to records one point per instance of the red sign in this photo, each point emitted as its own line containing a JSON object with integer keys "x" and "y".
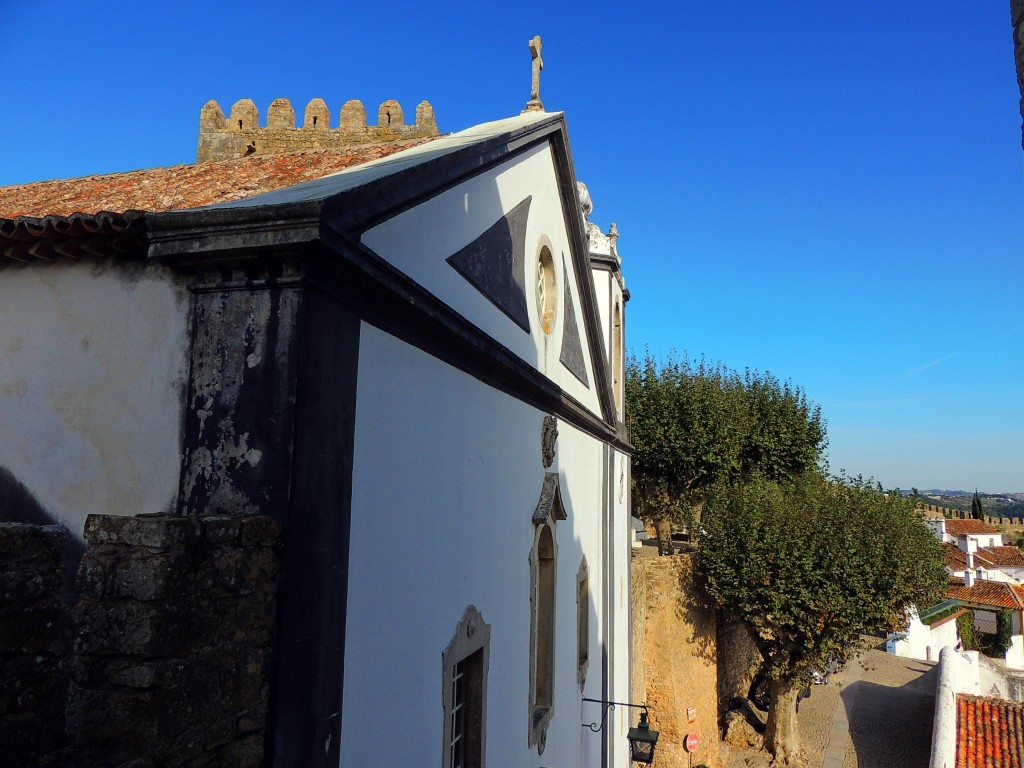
{"x": 692, "y": 742}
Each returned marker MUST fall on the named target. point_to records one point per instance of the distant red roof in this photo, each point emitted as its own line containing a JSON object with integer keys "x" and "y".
{"x": 957, "y": 527}
{"x": 989, "y": 733}
{"x": 184, "y": 186}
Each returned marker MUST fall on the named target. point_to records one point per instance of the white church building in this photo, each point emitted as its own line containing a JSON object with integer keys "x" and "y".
{"x": 415, "y": 364}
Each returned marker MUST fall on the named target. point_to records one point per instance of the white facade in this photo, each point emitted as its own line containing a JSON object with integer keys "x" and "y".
{"x": 923, "y": 641}
{"x": 379, "y": 359}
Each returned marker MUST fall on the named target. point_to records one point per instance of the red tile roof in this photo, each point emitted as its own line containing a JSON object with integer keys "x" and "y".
{"x": 1002, "y": 557}
{"x": 989, "y": 733}
{"x": 956, "y": 559}
{"x": 985, "y": 557}
{"x": 991, "y": 594}
{"x": 185, "y": 186}
{"x": 963, "y": 527}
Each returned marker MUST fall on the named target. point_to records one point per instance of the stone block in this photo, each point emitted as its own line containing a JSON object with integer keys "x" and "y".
{"x": 127, "y": 628}
{"x": 157, "y": 532}
{"x": 28, "y": 584}
{"x": 38, "y": 628}
{"x": 259, "y": 531}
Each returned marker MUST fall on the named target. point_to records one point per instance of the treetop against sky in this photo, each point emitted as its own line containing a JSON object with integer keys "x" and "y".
{"x": 832, "y": 193}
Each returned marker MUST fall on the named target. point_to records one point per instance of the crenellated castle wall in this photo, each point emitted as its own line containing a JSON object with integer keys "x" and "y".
{"x": 240, "y": 133}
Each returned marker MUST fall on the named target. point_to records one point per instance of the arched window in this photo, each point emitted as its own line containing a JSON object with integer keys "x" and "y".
{"x": 543, "y": 558}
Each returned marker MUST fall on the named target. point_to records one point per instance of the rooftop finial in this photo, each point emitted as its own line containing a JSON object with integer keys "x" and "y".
{"x": 534, "y": 105}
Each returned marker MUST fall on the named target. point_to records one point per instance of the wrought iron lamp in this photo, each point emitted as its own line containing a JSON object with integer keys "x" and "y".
{"x": 641, "y": 739}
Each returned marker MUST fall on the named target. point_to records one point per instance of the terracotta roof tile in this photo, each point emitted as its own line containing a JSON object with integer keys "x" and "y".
{"x": 184, "y": 186}
{"x": 989, "y": 732}
{"x": 956, "y": 560}
{"x": 1006, "y": 557}
{"x": 963, "y": 527}
{"x": 993, "y": 594}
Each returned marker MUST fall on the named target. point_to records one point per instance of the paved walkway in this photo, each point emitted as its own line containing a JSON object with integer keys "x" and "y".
{"x": 875, "y": 714}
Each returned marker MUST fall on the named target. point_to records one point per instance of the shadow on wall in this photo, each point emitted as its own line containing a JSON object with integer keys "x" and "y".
{"x": 891, "y": 725}
{"x": 18, "y": 505}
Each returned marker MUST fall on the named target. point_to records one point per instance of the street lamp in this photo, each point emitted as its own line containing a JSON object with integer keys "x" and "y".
{"x": 641, "y": 739}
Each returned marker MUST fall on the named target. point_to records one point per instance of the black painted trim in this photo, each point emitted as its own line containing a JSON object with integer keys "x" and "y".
{"x": 184, "y": 239}
{"x": 310, "y": 664}
{"x": 393, "y": 302}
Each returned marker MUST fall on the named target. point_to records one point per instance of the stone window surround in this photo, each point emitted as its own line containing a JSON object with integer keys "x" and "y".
{"x": 548, "y": 511}
{"x": 471, "y": 635}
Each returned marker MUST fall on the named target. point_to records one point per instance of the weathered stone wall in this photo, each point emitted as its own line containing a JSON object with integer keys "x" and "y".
{"x": 675, "y": 658}
{"x": 240, "y": 133}
{"x": 1017, "y": 19}
{"x": 34, "y": 639}
{"x": 174, "y": 634}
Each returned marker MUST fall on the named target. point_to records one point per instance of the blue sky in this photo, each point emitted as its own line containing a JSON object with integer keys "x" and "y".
{"x": 826, "y": 191}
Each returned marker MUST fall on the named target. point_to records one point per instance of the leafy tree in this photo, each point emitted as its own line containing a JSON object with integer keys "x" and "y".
{"x": 694, "y": 424}
{"x": 965, "y": 628}
{"x": 977, "y": 510}
{"x": 811, "y": 564}
{"x": 1004, "y": 632}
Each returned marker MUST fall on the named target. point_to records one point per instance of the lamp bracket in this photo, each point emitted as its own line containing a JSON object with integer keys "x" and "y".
{"x": 598, "y": 727}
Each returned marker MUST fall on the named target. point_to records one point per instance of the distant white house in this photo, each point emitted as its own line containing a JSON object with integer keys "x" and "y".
{"x": 986, "y": 577}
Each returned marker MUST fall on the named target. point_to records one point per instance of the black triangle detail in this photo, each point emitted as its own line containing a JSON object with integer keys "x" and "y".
{"x": 495, "y": 264}
{"x": 572, "y": 348}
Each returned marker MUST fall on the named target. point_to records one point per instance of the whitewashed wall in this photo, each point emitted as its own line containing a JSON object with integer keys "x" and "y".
{"x": 924, "y": 642}
{"x": 93, "y": 361}
{"x": 446, "y": 478}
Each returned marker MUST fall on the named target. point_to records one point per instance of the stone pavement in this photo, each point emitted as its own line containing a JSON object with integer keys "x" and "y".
{"x": 875, "y": 714}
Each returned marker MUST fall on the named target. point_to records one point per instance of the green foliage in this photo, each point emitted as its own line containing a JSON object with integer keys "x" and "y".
{"x": 965, "y": 626}
{"x": 1004, "y": 632}
{"x": 977, "y": 509}
{"x": 694, "y": 424}
{"x": 813, "y": 563}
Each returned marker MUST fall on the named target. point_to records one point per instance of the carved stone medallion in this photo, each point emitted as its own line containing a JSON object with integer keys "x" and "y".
{"x": 548, "y": 436}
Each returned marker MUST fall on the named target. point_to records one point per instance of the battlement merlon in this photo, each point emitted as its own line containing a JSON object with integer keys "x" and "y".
{"x": 240, "y": 133}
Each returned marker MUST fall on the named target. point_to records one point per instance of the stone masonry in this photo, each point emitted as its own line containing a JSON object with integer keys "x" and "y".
{"x": 174, "y": 634}
{"x": 34, "y": 639}
{"x": 240, "y": 134}
{"x": 675, "y": 659}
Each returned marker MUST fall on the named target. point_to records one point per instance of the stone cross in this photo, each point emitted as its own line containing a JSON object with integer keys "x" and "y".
{"x": 534, "y": 105}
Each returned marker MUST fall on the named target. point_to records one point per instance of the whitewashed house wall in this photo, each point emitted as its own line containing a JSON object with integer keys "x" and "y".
{"x": 93, "y": 364}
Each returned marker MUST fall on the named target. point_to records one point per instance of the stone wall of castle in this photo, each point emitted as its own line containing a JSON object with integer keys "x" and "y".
{"x": 240, "y": 133}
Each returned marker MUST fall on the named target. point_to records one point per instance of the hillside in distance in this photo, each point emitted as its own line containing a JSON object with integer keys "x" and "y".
{"x": 995, "y": 504}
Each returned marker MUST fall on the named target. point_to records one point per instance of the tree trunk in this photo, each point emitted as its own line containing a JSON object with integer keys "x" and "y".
{"x": 780, "y": 736}
{"x": 664, "y": 526}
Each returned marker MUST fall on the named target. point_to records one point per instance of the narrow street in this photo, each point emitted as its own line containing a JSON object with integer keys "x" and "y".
{"x": 875, "y": 714}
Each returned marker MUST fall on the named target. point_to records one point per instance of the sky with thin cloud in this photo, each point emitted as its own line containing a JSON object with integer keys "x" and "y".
{"x": 832, "y": 192}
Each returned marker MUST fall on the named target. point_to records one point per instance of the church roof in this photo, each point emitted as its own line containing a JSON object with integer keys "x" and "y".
{"x": 989, "y": 732}
{"x": 185, "y": 186}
